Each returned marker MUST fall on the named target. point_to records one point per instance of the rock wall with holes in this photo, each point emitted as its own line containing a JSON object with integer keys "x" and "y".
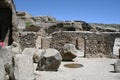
{"x": 93, "y": 44}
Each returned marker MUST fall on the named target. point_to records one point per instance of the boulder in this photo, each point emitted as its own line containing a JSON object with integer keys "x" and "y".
{"x": 50, "y": 61}
{"x": 6, "y": 68}
{"x": 38, "y": 55}
{"x": 117, "y": 66}
{"x": 23, "y": 67}
{"x": 69, "y": 52}
{"x": 35, "y": 54}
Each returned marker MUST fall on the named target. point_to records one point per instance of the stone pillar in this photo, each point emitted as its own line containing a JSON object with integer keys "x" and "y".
{"x": 45, "y": 42}
{"x": 38, "y": 42}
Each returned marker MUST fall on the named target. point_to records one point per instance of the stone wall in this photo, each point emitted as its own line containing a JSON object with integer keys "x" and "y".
{"x": 27, "y": 39}
{"x": 33, "y": 40}
{"x": 93, "y": 44}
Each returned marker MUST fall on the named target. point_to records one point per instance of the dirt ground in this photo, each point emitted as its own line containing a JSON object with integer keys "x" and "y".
{"x": 93, "y": 69}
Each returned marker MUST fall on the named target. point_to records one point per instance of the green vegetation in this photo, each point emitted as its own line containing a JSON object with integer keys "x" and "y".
{"x": 28, "y": 24}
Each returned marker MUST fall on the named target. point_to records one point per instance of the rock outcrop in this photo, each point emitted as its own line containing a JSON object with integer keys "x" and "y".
{"x": 105, "y": 27}
{"x": 9, "y": 22}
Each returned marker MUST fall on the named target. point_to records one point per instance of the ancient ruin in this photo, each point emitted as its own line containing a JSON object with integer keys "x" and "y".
{"x": 41, "y": 43}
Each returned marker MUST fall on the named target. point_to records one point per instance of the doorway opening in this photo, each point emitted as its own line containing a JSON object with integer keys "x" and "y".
{"x": 6, "y": 24}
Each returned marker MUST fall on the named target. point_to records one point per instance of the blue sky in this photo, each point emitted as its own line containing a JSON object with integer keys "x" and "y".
{"x": 94, "y": 11}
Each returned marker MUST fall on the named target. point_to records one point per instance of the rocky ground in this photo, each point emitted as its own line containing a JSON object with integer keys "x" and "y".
{"x": 93, "y": 69}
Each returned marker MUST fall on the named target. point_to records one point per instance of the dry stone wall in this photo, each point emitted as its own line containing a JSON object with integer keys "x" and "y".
{"x": 94, "y": 44}
{"x": 27, "y": 39}
{"x": 33, "y": 40}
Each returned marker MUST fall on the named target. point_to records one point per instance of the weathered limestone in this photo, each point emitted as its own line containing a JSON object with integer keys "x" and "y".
{"x": 47, "y": 59}
{"x": 50, "y": 61}
{"x": 21, "y": 25}
{"x": 29, "y": 51}
{"x": 15, "y": 48}
{"x": 2, "y": 69}
{"x": 23, "y": 67}
{"x": 69, "y": 52}
{"x": 35, "y": 54}
{"x": 116, "y": 46}
{"x": 38, "y": 55}
{"x": 5, "y": 59}
{"x": 76, "y": 26}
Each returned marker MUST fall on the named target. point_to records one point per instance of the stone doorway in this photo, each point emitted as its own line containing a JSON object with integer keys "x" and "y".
{"x": 80, "y": 43}
{"x": 6, "y": 24}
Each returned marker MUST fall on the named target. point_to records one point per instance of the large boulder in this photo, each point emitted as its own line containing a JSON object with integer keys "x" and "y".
{"x": 35, "y": 54}
{"x": 50, "y": 61}
{"x": 69, "y": 52}
{"x": 6, "y": 64}
{"x": 23, "y": 67}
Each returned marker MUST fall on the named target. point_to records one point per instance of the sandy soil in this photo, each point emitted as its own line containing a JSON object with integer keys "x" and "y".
{"x": 93, "y": 69}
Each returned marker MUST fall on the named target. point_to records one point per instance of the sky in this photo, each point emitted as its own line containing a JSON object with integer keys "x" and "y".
{"x": 91, "y": 11}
